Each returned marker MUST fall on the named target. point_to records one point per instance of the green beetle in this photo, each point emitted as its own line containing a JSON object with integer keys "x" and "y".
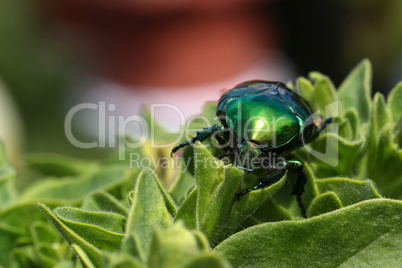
{"x": 260, "y": 119}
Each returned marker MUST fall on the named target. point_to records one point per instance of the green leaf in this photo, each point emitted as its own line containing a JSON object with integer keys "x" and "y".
{"x": 210, "y": 260}
{"x": 7, "y": 238}
{"x": 202, "y": 241}
{"x": 24, "y": 257}
{"x": 334, "y": 155}
{"x": 118, "y": 260}
{"x": 49, "y": 247}
{"x": 147, "y": 210}
{"x": 7, "y": 177}
{"x": 316, "y": 76}
{"x": 348, "y": 191}
{"x": 355, "y": 91}
{"x": 46, "y": 255}
{"x": 104, "y": 230}
{"x": 305, "y": 87}
{"x": 102, "y": 200}
{"x": 93, "y": 253}
{"x": 351, "y": 117}
{"x": 187, "y": 211}
{"x": 324, "y": 203}
{"x": 132, "y": 246}
{"x": 43, "y": 233}
{"x": 85, "y": 260}
{"x": 173, "y": 246}
{"x": 249, "y": 203}
{"x": 219, "y": 208}
{"x": 284, "y": 203}
{"x": 324, "y": 94}
{"x": 397, "y": 133}
{"x": 182, "y": 184}
{"x": 74, "y": 189}
{"x": 209, "y": 173}
{"x": 159, "y": 160}
{"x": 383, "y": 164}
{"x": 379, "y": 114}
{"x": 171, "y": 207}
{"x": 8, "y": 193}
{"x": 395, "y": 103}
{"x": 11, "y": 217}
{"x": 67, "y": 264}
{"x": 59, "y": 165}
{"x": 290, "y": 85}
{"x": 345, "y": 130}
{"x": 367, "y": 233}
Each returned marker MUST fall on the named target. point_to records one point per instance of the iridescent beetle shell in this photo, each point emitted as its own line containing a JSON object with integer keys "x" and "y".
{"x": 268, "y": 114}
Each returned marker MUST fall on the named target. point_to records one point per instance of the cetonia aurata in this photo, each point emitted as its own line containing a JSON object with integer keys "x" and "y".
{"x": 260, "y": 119}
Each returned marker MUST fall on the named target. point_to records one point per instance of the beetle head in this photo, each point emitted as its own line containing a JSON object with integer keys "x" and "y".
{"x": 247, "y": 155}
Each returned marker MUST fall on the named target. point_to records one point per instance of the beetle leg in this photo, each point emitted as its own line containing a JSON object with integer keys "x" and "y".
{"x": 323, "y": 125}
{"x": 225, "y": 154}
{"x": 298, "y": 188}
{"x": 201, "y": 136}
{"x": 265, "y": 182}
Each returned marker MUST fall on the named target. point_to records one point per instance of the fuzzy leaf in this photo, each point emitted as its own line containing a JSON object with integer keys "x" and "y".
{"x": 248, "y": 204}
{"x": 355, "y": 91}
{"x": 324, "y": 203}
{"x": 147, "y": 210}
{"x": 118, "y": 260}
{"x": 11, "y": 217}
{"x": 103, "y": 229}
{"x": 47, "y": 247}
{"x": 324, "y": 94}
{"x": 352, "y": 118}
{"x": 175, "y": 245}
{"x": 315, "y": 77}
{"x": 59, "y": 165}
{"x": 74, "y": 189}
{"x": 306, "y": 88}
{"x": 334, "y": 155}
{"x": 7, "y": 177}
{"x": 383, "y": 165}
{"x": 210, "y": 260}
{"x": 85, "y": 260}
{"x": 367, "y": 233}
{"x": 202, "y": 241}
{"x": 348, "y": 191}
{"x": 395, "y": 102}
{"x": 102, "y": 200}
{"x": 379, "y": 114}
{"x": 7, "y": 238}
{"x": 133, "y": 247}
{"x": 209, "y": 173}
{"x": 187, "y": 211}
{"x": 397, "y": 133}
{"x": 219, "y": 208}
{"x": 182, "y": 184}
{"x": 93, "y": 253}
{"x": 43, "y": 233}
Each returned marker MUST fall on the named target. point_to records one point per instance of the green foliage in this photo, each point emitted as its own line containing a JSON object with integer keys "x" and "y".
{"x": 105, "y": 214}
{"x": 367, "y": 233}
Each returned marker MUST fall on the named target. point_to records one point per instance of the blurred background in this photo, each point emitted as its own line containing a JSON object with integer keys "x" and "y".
{"x": 57, "y": 54}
